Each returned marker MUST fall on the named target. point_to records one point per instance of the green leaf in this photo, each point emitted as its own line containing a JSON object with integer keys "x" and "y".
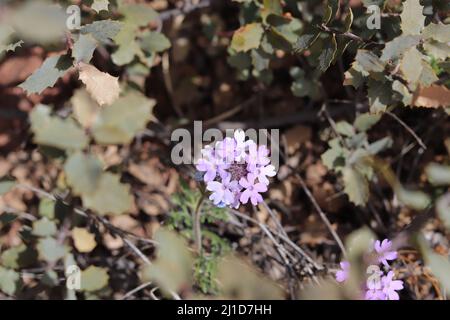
{"x": 439, "y": 32}
{"x": 8, "y": 280}
{"x": 412, "y": 17}
{"x": 438, "y": 264}
{"x": 405, "y": 96}
{"x": 411, "y": 66}
{"x": 396, "y": 48}
{"x": 306, "y": 40}
{"x": 46, "y": 76}
{"x": 110, "y": 196}
{"x": 241, "y": 281}
{"x": 345, "y": 128}
{"x": 128, "y": 46}
{"x": 18, "y": 257}
{"x": 240, "y": 60}
{"x": 369, "y": 61}
{"x": 44, "y": 227}
{"x": 355, "y": 76}
{"x": 155, "y": 42}
{"x": 247, "y": 37}
{"x": 427, "y": 76}
{"x": 120, "y": 122}
{"x": 356, "y": 186}
{"x": 50, "y": 279}
{"x": 50, "y": 250}
{"x": 438, "y": 50}
{"x": 414, "y": 199}
{"x": 379, "y": 145}
{"x": 6, "y": 33}
{"x": 85, "y": 109}
{"x": 84, "y": 48}
{"x": 438, "y": 174}
{"x": 379, "y": 94}
{"x": 260, "y": 60}
{"x": 103, "y": 31}
{"x": 348, "y": 20}
{"x": 365, "y": 121}
{"x": 138, "y": 14}
{"x": 47, "y": 208}
{"x": 287, "y": 30}
{"x": 83, "y": 172}
{"x": 443, "y": 209}
{"x": 273, "y": 6}
{"x": 94, "y": 278}
{"x": 331, "y": 9}
{"x": 328, "y": 53}
{"x": 100, "y": 5}
{"x": 172, "y": 269}
{"x": 56, "y": 132}
{"x": 39, "y": 22}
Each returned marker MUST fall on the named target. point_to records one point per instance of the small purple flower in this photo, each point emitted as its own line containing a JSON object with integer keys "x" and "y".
{"x": 241, "y": 144}
{"x": 390, "y": 286}
{"x": 227, "y": 163}
{"x": 211, "y": 168}
{"x": 375, "y": 294}
{"x": 222, "y": 192}
{"x": 383, "y": 251}
{"x": 257, "y": 155}
{"x": 226, "y": 150}
{"x": 263, "y": 172}
{"x": 342, "y": 274}
{"x": 252, "y": 190}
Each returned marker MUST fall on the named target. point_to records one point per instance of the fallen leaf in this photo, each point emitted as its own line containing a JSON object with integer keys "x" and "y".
{"x": 432, "y": 97}
{"x": 84, "y": 241}
{"x": 103, "y": 87}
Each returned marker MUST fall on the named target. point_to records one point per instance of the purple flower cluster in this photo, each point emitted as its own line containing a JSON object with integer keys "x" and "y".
{"x": 379, "y": 286}
{"x": 236, "y": 171}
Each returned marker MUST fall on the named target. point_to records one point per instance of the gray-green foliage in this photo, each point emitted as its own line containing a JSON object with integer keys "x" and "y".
{"x": 404, "y": 66}
{"x": 348, "y": 152}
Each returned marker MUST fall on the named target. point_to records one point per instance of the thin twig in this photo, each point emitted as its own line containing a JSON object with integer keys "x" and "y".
{"x": 274, "y": 218}
{"x": 137, "y": 289}
{"x": 349, "y": 35}
{"x": 321, "y": 214}
{"x": 315, "y": 204}
{"x": 266, "y": 230}
{"x": 408, "y": 128}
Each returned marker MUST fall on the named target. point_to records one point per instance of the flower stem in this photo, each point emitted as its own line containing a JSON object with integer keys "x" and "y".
{"x": 197, "y": 224}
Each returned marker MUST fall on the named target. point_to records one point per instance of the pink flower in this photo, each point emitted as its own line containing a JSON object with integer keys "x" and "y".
{"x": 257, "y": 156}
{"x": 233, "y": 160}
{"x": 342, "y": 274}
{"x": 390, "y": 286}
{"x": 211, "y": 168}
{"x": 241, "y": 144}
{"x": 222, "y": 192}
{"x": 383, "y": 251}
{"x": 375, "y": 294}
{"x": 263, "y": 172}
{"x": 252, "y": 190}
{"x": 226, "y": 149}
